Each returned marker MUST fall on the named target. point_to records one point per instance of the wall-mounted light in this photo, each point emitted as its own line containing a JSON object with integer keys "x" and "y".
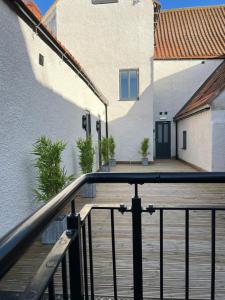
{"x": 84, "y": 122}
{"x": 98, "y": 125}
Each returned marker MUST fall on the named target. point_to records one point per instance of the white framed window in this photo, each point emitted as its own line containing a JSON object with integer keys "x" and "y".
{"x": 104, "y": 1}
{"x": 129, "y": 84}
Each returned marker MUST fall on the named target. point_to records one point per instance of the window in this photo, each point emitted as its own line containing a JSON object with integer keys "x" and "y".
{"x": 103, "y": 1}
{"x": 41, "y": 60}
{"x": 129, "y": 84}
{"x": 184, "y": 140}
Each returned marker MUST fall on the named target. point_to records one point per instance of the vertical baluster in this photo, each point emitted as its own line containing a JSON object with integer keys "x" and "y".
{"x": 91, "y": 256}
{"x": 73, "y": 210}
{"x": 51, "y": 290}
{"x": 187, "y": 254}
{"x": 85, "y": 261}
{"x": 213, "y": 253}
{"x": 137, "y": 245}
{"x": 113, "y": 254}
{"x": 75, "y": 259}
{"x": 161, "y": 254}
{"x": 64, "y": 279}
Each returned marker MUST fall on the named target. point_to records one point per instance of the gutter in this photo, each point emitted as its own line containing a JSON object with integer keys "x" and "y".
{"x": 21, "y": 9}
{"x": 195, "y": 112}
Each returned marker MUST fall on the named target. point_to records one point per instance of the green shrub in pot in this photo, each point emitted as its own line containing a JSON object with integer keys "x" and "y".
{"x": 144, "y": 151}
{"x": 86, "y": 162}
{"x": 52, "y": 178}
{"x": 112, "y": 147}
{"x": 105, "y": 154}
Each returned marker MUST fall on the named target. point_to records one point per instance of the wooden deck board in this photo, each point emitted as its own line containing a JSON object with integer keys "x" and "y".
{"x": 174, "y": 243}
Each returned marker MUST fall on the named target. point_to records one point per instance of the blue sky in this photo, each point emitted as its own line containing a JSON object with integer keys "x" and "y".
{"x": 45, "y": 4}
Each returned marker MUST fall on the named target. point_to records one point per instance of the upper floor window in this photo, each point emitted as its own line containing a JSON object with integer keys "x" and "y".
{"x": 129, "y": 84}
{"x": 104, "y": 1}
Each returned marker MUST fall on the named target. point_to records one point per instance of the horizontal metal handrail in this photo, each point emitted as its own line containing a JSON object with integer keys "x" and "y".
{"x": 141, "y": 178}
{"x": 13, "y": 245}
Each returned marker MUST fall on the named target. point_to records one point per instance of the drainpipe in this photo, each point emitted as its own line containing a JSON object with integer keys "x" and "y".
{"x": 176, "y": 125}
{"x": 106, "y": 121}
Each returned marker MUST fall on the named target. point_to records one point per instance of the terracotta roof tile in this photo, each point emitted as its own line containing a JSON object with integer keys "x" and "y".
{"x": 197, "y": 32}
{"x": 33, "y": 8}
{"x": 207, "y": 92}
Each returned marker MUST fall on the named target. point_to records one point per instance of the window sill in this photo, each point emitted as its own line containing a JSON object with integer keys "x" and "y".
{"x": 130, "y": 99}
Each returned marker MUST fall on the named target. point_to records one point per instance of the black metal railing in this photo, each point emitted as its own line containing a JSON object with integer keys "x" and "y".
{"x": 73, "y": 252}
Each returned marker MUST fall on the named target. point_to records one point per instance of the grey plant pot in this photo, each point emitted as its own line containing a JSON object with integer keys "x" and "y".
{"x": 105, "y": 168}
{"x": 144, "y": 161}
{"x": 88, "y": 190}
{"x": 112, "y": 162}
{"x": 53, "y": 232}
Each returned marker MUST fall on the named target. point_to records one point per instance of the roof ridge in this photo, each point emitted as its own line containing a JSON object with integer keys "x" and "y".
{"x": 191, "y": 8}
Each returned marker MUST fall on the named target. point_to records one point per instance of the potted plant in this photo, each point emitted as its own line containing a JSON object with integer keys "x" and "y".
{"x": 112, "y": 146}
{"x": 144, "y": 151}
{"x": 105, "y": 154}
{"x": 52, "y": 179}
{"x": 86, "y": 161}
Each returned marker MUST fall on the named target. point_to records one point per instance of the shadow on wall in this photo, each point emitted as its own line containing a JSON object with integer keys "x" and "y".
{"x": 130, "y": 129}
{"x": 172, "y": 91}
{"x": 29, "y": 110}
{"x": 179, "y": 81}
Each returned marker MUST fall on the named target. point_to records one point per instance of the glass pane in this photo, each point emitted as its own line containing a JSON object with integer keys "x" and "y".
{"x": 133, "y": 84}
{"x": 160, "y": 133}
{"x": 166, "y": 133}
{"x": 124, "y": 85}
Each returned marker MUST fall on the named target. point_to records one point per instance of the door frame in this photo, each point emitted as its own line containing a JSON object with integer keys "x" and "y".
{"x": 169, "y": 139}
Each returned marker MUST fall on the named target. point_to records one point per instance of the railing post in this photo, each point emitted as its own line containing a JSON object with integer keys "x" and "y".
{"x": 75, "y": 259}
{"x": 137, "y": 245}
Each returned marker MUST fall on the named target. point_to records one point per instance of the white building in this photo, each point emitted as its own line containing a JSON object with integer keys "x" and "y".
{"x": 114, "y": 41}
{"x": 201, "y": 125}
{"x": 44, "y": 91}
{"x": 189, "y": 46}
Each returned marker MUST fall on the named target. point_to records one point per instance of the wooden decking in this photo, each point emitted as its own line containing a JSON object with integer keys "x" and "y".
{"x": 174, "y": 243}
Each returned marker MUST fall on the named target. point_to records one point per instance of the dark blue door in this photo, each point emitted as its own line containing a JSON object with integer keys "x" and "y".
{"x": 163, "y": 139}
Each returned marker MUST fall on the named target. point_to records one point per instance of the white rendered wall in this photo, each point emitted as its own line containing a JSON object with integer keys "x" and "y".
{"x": 218, "y": 133}
{"x": 199, "y": 140}
{"x": 106, "y": 38}
{"x": 175, "y": 81}
{"x": 35, "y": 101}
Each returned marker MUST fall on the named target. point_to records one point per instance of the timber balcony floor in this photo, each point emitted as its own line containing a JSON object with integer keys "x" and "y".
{"x": 174, "y": 242}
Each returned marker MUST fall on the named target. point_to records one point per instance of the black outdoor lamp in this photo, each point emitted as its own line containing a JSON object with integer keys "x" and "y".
{"x": 98, "y": 125}
{"x": 84, "y": 122}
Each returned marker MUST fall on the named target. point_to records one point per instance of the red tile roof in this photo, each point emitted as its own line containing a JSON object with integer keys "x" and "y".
{"x": 33, "y": 7}
{"x": 207, "y": 92}
{"x": 197, "y": 32}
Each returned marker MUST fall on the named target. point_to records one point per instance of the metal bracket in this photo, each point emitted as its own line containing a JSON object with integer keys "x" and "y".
{"x": 123, "y": 208}
{"x": 150, "y": 209}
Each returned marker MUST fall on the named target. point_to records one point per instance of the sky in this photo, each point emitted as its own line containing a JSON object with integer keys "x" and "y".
{"x": 166, "y": 4}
